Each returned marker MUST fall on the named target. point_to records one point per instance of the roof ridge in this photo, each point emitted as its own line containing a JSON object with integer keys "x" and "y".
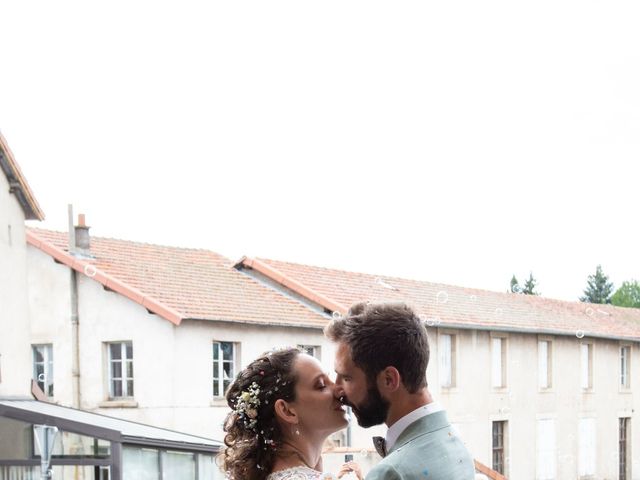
{"x": 137, "y": 242}
{"x": 534, "y": 298}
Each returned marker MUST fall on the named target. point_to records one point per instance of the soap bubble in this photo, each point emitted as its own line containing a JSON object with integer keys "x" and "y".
{"x": 90, "y": 270}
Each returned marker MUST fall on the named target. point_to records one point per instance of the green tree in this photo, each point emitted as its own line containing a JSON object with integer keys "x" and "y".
{"x": 598, "y": 289}
{"x": 530, "y": 285}
{"x": 628, "y": 295}
{"x": 515, "y": 286}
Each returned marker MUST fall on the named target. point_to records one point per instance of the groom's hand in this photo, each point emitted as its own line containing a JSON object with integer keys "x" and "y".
{"x": 350, "y": 467}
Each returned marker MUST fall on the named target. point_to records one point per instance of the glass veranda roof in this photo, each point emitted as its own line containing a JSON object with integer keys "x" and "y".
{"x": 102, "y": 426}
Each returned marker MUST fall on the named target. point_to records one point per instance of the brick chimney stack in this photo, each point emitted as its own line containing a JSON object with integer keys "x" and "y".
{"x": 83, "y": 240}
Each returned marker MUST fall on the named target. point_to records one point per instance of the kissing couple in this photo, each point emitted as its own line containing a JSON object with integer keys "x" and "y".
{"x": 284, "y": 406}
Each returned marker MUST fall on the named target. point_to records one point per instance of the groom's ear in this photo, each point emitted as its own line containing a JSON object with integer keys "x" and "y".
{"x": 285, "y": 412}
{"x": 389, "y": 380}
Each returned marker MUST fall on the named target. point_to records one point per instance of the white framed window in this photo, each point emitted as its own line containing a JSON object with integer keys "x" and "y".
{"x": 120, "y": 369}
{"x": 625, "y": 366}
{"x": 313, "y": 350}
{"x": 447, "y": 349}
{"x": 224, "y": 361}
{"x": 624, "y": 449}
{"x": 586, "y": 366}
{"x": 498, "y": 362}
{"x": 546, "y": 449}
{"x": 587, "y": 447}
{"x": 544, "y": 364}
{"x": 499, "y": 446}
{"x": 43, "y": 367}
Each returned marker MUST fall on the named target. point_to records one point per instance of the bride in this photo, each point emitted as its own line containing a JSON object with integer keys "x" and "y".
{"x": 283, "y": 409}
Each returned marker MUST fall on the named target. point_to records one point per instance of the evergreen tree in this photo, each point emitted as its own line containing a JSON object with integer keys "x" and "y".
{"x": 598, "y": 289}
{"x": 530, "y": 285}
{"x": 628, "y": 295}
{"x": 515, "y": 287}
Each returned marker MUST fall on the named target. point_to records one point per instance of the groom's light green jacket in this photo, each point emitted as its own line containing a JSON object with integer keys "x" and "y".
{"x": 428, "y": 449}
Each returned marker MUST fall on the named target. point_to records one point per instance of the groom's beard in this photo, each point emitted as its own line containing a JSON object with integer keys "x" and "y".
{"x": 373, "y": 410}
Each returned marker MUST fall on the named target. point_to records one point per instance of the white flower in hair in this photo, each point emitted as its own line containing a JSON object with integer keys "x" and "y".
{"x": 247, "y": 404}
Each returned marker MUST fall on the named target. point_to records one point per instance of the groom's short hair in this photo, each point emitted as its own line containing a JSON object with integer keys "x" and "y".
{"x": 384, "y": 335}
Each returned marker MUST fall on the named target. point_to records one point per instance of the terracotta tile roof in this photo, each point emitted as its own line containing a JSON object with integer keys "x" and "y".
{"x": 18, "y": 183}
{"x": 462, "y": 307}
{"x": 180, "y": 283}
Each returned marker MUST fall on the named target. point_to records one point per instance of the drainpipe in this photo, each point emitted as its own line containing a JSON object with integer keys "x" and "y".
{"x": 75, "y": 319}
{"x": 350, "y": 415}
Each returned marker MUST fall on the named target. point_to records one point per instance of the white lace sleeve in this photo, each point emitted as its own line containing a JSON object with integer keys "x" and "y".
{"x": 299, "y": 473}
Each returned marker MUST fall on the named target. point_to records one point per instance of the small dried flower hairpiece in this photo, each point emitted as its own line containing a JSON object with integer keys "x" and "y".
{"x": 247, "y": 404}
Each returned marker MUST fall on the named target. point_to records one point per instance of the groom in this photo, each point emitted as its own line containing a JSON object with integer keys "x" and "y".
{"x": 381, "y": 362}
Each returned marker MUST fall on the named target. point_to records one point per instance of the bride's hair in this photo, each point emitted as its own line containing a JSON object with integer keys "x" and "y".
{"x": 253, "y": 435}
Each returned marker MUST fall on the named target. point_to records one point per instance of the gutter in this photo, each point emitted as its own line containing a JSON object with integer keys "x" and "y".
{"x": 258, "y": 323}
{"x": 531, "y": 331}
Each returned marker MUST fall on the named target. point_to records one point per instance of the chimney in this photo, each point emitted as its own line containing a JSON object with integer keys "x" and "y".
{"x": 83, "y": 242}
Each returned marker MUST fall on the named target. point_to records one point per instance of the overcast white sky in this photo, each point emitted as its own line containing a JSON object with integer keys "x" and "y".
{"x": 456, "y": 142}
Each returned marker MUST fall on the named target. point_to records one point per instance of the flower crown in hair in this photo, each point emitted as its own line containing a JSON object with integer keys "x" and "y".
{"x": 247, "y": 404}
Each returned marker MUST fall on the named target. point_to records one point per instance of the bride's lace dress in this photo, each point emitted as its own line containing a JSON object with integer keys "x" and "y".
{"x": 299, "y": 473}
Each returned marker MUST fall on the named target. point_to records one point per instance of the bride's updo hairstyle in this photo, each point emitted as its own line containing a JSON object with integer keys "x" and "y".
{"x": 253, "y": 435}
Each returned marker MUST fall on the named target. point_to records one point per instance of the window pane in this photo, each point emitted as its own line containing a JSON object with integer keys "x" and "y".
{"x": 129, "y": 369}
{"x": 227, "y": 350}
{"x": 207, "y": 468}
{"x": 216, "y": 369}
{"x": 129, "y": 348}
{"x": 116, "y": 370}
{"x": 116, "y": 351}
{"x": 496, "y": 362}
{"x": 38, "y": 354}
{"x": 543, "y": 380}
{"x": 445, "y": 360}
{"x": 623, "y": 366}
{"x": 228, "y": 370}
{"x": 178, "y": 466}
{"x": 216, "y": 388}
{"x": 130, "y": 388}
{"x": 140, "y": 464}
{"x": 116, "y": 387}
{"x": 216, "y": 350}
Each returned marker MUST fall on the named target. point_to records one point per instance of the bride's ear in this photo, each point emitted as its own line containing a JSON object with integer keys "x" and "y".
{"x": 285, "y": 412}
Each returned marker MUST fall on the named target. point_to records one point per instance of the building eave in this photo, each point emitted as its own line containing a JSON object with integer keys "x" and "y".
{"x": 257, "y": 323}
{"x": 18, "y": 184}
{"x": 532, "y": 331}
